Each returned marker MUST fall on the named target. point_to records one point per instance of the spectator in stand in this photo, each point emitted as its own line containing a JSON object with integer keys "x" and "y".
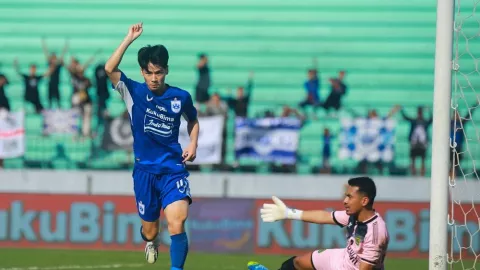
{"x": 55, "y": 65}
{"x": 75, "y": 65}
{"x": 327, "y": 151}
{"x": 216, "y": 106}
{"x": 418, "y": 137}
{"x": 372, "y": 113}
{"x": 288, "y": 111}
{"x": 338, "y": 90}
{"x": 312, "y": 87}
{"x": 457, "y": 137}
{"x": 239, "y": 104}
{"x": 31, "y": 82}
{"x": 203, "y": 83}
{"x": 4, "y": 103}
{"x": 81, "y": 100}
{"x": 103, "y": 93}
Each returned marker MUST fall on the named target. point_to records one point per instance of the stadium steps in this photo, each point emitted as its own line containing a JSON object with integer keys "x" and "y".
{"x": 386, "y": 47}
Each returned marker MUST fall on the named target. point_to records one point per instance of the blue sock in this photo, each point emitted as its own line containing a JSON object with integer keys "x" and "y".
{"x": 178, "y": 250}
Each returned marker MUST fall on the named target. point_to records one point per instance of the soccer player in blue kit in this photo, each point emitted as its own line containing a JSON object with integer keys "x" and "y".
{"x": 159, "y": 174}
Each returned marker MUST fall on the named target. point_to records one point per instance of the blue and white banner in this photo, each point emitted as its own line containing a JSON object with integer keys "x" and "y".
{"x": 267, "y": 139}
{"x": 61, "y": 121}
{"x": 367, "y": 139}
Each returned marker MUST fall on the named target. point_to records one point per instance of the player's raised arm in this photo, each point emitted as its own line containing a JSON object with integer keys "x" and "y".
{"x": 279, "y": 211}
{"x": 111, "y": 67}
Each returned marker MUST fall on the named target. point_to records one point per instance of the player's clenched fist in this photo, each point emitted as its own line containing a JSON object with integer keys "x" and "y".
{"x": 134, "y": 31}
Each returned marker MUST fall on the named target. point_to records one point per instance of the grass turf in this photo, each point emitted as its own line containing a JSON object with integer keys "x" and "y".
{"x": 42, "y": 259}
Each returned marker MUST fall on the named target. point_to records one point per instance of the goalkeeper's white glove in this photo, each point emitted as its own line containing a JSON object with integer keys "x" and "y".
{"x": 278, "y": 211}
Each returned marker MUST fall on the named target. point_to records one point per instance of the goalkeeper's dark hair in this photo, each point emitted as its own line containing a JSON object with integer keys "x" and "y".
{"x": 365, "y": 186}
{"x": 157, "y": 55}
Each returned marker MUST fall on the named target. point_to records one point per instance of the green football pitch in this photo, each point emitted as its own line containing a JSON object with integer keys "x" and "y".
{"x": 41, "y": 259}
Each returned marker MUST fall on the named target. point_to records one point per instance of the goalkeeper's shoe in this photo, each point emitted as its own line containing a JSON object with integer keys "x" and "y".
{"x": 256, "y": 266}
{"x": 151, "y": 251}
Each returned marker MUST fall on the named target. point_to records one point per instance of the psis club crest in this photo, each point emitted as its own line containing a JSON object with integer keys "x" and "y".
{"x": 176, "y": 105}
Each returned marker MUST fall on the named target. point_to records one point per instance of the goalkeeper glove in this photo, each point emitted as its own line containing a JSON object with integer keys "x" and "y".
{"x": 278, "y": 211}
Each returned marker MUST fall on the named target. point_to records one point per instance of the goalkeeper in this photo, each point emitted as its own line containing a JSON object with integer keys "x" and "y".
{"x": 367, "y": 236}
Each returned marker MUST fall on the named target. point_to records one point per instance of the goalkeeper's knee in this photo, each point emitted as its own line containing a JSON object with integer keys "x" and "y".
{"x": 288, "y": 264}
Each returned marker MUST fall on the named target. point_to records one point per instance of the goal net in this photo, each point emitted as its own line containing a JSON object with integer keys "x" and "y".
{"x": 464, "y": 204}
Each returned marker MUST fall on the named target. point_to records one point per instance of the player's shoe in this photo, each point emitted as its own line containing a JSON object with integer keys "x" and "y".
{"x": 256, "y": 266}
{"x": 151, "y": 251}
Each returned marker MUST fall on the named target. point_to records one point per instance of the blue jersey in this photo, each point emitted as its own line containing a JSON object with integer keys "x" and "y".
{"x": 155, "y": 122}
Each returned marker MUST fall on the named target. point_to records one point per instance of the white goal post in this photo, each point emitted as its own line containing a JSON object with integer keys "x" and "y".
{"x": 441, "y": 136}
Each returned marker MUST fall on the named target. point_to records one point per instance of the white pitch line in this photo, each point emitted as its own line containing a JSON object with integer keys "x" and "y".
{"x": 68, "y": 267}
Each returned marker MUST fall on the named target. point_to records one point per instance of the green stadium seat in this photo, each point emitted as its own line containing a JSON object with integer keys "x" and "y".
{"x": 387, "y": 49}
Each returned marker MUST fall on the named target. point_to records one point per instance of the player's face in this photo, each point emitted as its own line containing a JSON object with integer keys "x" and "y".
{"x": 354, "y": 201}
{"x": 154, "y": 76}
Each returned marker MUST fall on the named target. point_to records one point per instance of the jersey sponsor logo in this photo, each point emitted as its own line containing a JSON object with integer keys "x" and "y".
{"x": 160, "y": 108}
{"x": 149, "y": 99}
{"x": 157, "y": 126}
{"x": 161, "y": 116}
{"x": 176, "y": 105}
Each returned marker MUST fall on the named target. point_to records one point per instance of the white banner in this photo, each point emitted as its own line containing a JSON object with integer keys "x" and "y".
{"x": 61, "y": 121}
{"x": 12, "y": 135}
{"x": 209, "y": 150}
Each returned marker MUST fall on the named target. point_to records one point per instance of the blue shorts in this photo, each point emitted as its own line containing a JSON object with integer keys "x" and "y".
{"x": 156, "y": 191}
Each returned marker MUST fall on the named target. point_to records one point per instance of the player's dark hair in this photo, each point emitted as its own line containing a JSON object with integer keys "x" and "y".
{"x": 157, "y": 55}
{"x": 366, "y": 186}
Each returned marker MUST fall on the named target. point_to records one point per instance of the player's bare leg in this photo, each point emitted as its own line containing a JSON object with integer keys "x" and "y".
{"x": 149, "y": 234}
{"x": 176, "y": 214}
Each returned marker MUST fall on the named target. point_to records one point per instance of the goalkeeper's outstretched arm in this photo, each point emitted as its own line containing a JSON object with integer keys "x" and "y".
{"x": 318, "y": 216}
{"x": 279, "y": 211}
